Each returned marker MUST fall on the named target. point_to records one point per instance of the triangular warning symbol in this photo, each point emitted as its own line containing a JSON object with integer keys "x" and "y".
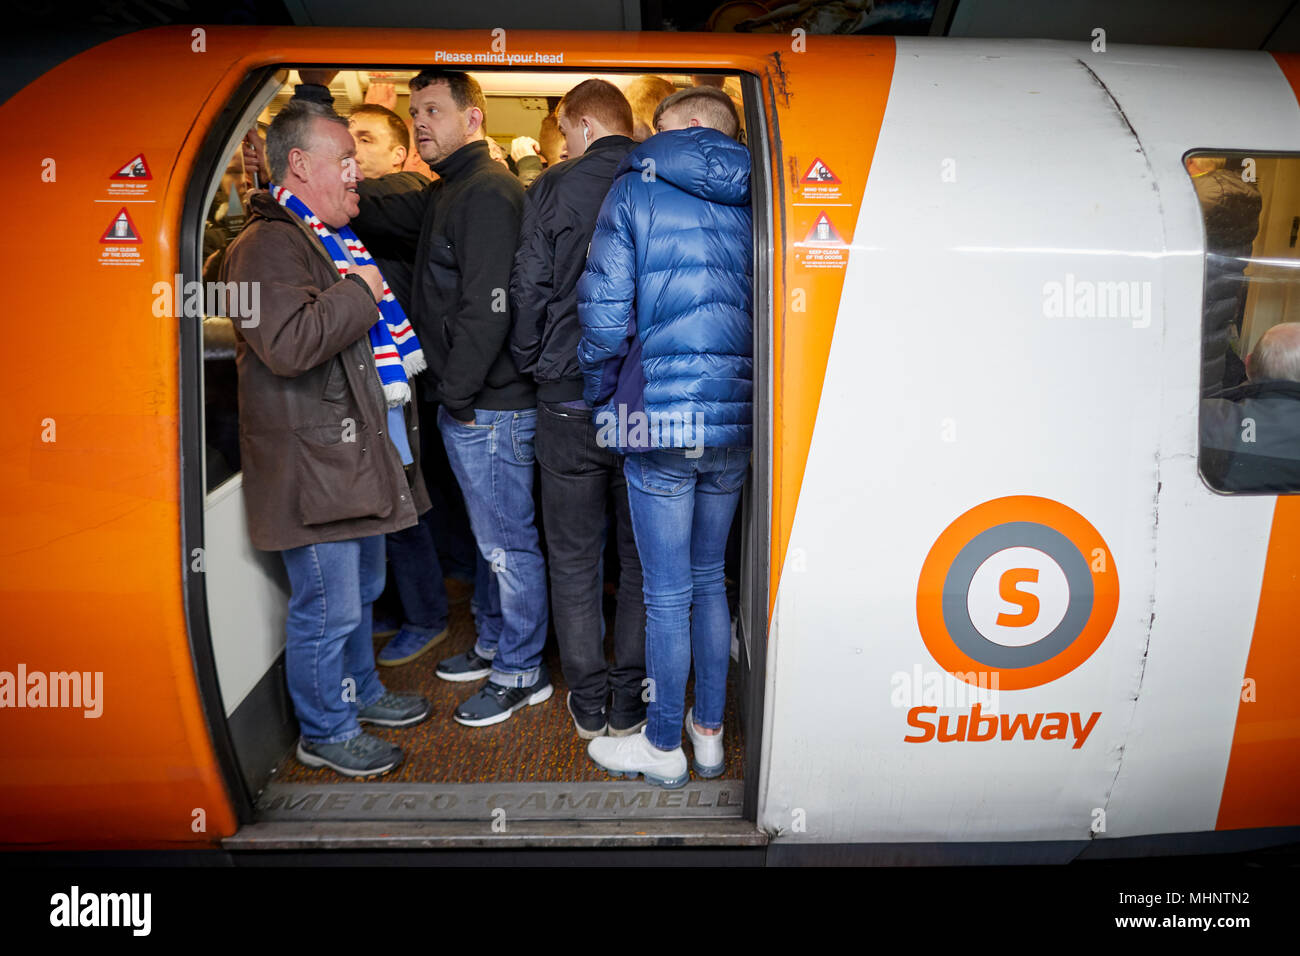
{"x": 135, "y": 168}
{"x": 819, "y": 172}
{"x": 121, "y": 229}
{"x": 823, "y": 231}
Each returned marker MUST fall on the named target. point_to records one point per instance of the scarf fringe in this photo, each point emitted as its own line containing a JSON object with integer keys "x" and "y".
{"x": 397, "y": 393}
{"x": 414, "y": 363}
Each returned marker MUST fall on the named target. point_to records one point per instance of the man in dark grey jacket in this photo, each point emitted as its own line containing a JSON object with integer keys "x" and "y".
{"x": 578, "y": 476}
{"x": 322, "y": 480}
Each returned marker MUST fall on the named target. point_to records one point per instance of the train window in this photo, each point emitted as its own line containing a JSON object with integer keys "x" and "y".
{"x": 1250, "y": 328}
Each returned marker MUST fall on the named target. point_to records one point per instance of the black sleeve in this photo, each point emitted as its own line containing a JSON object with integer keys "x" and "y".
{"x": 389, "y": 215}
{"x": 531, "y": 280}
{"x": 486, "y": 232}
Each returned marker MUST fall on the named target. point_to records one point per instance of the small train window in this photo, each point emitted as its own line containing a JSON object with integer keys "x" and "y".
{"x": 1250, "y": 325}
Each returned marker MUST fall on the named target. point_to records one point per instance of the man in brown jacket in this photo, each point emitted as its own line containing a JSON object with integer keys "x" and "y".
{"x": 323, "y": 475}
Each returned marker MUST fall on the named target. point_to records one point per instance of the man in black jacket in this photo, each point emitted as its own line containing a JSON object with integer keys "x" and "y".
{"x": 465, "y": 227}
{"x": 578, "y": 476}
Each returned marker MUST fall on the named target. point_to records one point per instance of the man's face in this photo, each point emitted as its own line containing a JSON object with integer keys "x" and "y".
{"x": 571, "y": 130}
{"x": 440, "y": 128}
{"x": 331, "y": 174}
{"x": 377, "y": 154}
{"x": 675, "y": 118}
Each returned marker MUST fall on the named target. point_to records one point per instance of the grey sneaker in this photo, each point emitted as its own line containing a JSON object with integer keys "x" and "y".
{"x": 396, "y": 710}
{"x": 362, "y": 756}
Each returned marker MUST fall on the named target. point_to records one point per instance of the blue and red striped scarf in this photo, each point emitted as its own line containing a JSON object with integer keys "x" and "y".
{"x": 397, "y": 350}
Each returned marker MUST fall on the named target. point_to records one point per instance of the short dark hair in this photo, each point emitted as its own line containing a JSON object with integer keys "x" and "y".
{"x": 465, "y": 91}
{"x": 601, "y": 100}
{"x": 290, "y": 130}
{"x": 396, "y": 125}
{"x": 708, "y": 103}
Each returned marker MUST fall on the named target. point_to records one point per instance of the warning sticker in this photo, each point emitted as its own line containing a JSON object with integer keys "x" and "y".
{"x": 819, "y": 183}
{"x": 121, "y": 242}
{"x": 131, "y": 179}
{"x": 137, "y": 168}
{"x": 823, "y": 247}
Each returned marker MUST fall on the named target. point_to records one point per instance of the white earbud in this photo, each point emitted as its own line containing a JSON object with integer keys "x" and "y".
{"x": 586, "y": 133}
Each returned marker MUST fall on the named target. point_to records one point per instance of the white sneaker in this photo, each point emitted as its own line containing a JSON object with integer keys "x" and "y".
{"x": 629, "y": 756}
{"x": 708, "y": 758}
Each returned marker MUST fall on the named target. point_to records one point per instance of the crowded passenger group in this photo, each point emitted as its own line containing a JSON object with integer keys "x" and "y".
{"x": 442, "y": 321}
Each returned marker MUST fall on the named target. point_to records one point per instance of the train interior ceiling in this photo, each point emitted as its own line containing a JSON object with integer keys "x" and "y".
{"x": 536, "y": 751}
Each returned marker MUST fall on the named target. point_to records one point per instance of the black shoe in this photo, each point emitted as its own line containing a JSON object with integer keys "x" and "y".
{"x": 589, "y": 726}
{"x": 360, "y": 756}
{"x": 396, "y": 710}
{"x": 626, "y": 715}
{"x": 495, "y": 703}
{"x": 463, "y": 667}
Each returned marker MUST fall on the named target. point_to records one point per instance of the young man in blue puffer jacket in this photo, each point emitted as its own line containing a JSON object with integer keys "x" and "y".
{"x": 667, "y": 360}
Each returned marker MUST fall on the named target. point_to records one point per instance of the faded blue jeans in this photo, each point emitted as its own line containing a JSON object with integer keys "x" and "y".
{"x": 493, "y": 462}
{"x": 682, "y": 510}
{"x": 329, "y": 659}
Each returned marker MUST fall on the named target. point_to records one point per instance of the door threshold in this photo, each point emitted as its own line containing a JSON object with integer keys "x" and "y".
{"x": 466, "y": 834}
{"x": 481, "y": 804}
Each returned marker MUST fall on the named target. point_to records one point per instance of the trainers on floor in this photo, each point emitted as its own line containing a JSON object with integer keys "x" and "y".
{"x": 708, "y": 759}
{"x": 463, "y": 667}
{"x": 629, "y": 756}
{"x": 384, "y": 626}
{"x": 589, "y": 726}
{"x": 362, "y": 756}
{"x": 396, "y": 710}
{"x": 407, "y": 646}
{"x": 495, "y": 703}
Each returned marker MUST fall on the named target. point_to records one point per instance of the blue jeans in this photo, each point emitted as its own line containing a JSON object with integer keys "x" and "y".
{"x": 493, "y": 461}
{"x": 418, "y": 576}
{"x": 328, "y": 654}
{"x": 682, "y": 509}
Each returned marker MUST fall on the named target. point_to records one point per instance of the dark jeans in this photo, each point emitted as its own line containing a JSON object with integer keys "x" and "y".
{"x": 578, "y": 479}
{"x": 418, "y": 576}
{"x": 448, "y": 520}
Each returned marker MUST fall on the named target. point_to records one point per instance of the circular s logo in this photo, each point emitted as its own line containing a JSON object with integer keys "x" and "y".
{"x": 1023, "y": 587}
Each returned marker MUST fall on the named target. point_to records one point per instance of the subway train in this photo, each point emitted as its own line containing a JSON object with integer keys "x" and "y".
{"x": 992, "y": 605}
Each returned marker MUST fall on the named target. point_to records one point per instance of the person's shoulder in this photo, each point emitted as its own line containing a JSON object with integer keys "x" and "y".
{"x": 402, "y": 181}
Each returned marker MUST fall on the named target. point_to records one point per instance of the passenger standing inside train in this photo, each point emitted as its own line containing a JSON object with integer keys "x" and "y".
{"x": 468, "y": 226}
{"x": 1250, "y": 435}
{"x": 392, "y": 238}
{"x": 327, "y": 432}
{"x": 579, "y": 478}
{"x": 383, "y": 142}
{"x": 666, "y": 351}
{"x": 644, "y": 94}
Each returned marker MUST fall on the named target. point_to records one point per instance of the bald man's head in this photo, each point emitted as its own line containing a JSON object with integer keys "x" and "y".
{"x": 1276, "y": 355}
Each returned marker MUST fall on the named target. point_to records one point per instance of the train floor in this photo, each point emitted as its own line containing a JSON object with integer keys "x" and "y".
{"x": 535, "y": 745}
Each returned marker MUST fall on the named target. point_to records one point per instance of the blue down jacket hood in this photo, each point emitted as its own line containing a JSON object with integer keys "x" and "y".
{"x": 665, "y": 301}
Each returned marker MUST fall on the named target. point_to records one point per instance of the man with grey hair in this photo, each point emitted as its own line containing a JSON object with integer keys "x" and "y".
{"x": 327, "y": 433}
{"x": 1250, "y": 437}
